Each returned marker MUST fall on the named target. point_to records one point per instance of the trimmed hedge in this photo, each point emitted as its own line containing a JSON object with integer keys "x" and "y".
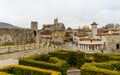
{"x": 42, "y": 57}
{"x": 89, "y": 57}
{"x": 100, "y": 69}
{"x": 76, "y": 59}
{"x": 3, "y": 73}
{"x": 111, "y": 65}
{"x": 53, "y": 64}
{"x": 72, "y": 60}
{"x": 26, "y": 70}
{"x": 80, "y": 59}
{"x": 103, "y": 57}
{"x": 61, "y": 55}
{"x": 52, "y": 60}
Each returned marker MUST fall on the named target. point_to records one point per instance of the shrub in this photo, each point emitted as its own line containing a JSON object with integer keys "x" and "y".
{"x": 26, "y": 70}
{"x": 100, "y": 57}
{"x": 72, "y": 60}
{"x": 89, "y": 57}
{"x": 62, "y": 65}
{"x": 103, "y": 57}
{"x": 61, "y": 55}
{"x": 111, "y": 65}
{"x": 100, "y": 69}
{"x": 3, "y": 73}
{"x": 42, "y": 57}
{"x": 76, "y": 59}
{"x": 80, "y": 59}
{"x": 57, "y": 64}
{"x": 57, "y": 61}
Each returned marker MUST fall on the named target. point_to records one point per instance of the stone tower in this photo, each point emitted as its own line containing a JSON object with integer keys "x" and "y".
{"x": 94, "y": 29}
{"x": 56, "y": 21}
{"x": 34, "y": 27}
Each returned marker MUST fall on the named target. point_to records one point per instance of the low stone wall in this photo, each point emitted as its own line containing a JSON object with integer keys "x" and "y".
{"x": 24, "y": 51}
{"x": 16, "y": 48}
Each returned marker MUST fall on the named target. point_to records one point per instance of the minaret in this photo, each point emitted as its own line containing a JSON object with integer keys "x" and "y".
{"x": 94, "y": 29}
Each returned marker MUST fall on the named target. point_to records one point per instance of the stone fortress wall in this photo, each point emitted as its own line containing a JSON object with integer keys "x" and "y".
{"x": 17, "y": 35}
{"x": 113, "y": 43}
{"x": 20, "y": 51}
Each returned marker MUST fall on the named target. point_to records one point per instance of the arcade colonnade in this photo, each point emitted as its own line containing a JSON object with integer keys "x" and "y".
{"x": 90, "y": 47}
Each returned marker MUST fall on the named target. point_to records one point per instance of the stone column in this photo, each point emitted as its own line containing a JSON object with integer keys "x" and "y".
{"x": 82, "y": 47}
{"x": 87, "y": 47}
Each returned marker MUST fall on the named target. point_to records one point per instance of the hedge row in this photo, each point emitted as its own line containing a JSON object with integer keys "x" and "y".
{"x": 42, "y": 57}
{"x": 89, "y": 57}
{"x": 52, "y": 64}
{"x": 111, "y": 65}
{"x": 80, "y": 59}
{"x": 61, "y": 55}
{"x": 26, "y": 70}
{"x": 103, "y": 57}
{"x": 100, "y": 69}
{"x": 76, "y": 59}
{"x": 4, "y": 73}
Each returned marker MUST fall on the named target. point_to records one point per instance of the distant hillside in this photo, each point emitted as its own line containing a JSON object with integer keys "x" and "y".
{"x": 3, "y": 24}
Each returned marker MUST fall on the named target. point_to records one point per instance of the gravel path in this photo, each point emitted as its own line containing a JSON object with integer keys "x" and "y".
{"x": 7, "y": 62}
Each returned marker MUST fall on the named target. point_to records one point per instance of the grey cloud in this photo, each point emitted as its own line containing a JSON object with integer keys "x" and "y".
{"x": 73, "y": 13}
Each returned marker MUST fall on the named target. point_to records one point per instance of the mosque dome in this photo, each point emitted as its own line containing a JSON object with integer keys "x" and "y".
{"x": 85, "y": 27}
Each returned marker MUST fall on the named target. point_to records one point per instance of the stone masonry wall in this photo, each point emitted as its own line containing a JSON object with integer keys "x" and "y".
{"x": 21, "y": 51}
{"x": 111, "y": 43}
{"x": 15, "y": 35}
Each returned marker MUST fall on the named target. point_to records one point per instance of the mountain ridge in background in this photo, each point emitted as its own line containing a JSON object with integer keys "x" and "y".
{"x": 3, "y": 24}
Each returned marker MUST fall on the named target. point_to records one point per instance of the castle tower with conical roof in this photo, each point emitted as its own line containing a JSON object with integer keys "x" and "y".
{"x": 94, "y": 29}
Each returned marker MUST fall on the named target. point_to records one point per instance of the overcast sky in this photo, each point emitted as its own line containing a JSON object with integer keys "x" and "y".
{"x": 73, "y": 13}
